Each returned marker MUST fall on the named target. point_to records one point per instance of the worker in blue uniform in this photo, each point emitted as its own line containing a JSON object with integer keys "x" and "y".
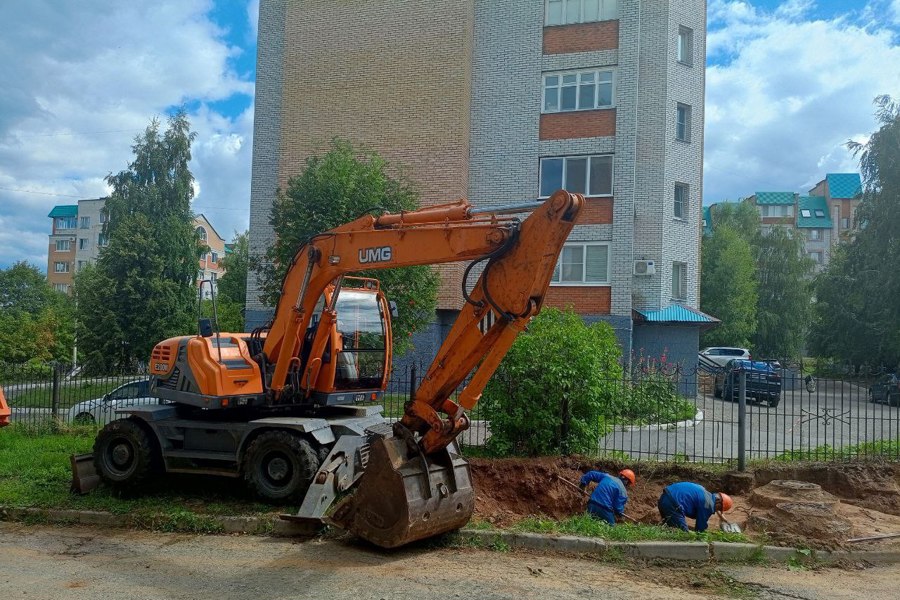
{"x": 608, "y": 499}
{"x": 687, "y": 499}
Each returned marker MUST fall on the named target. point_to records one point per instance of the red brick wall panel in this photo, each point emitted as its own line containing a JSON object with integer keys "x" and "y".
{"x": 597, "y": 211}
{"x": 582, "y": 37}
{"x": 585, "y": 300}
{"x": 579, "y": 124}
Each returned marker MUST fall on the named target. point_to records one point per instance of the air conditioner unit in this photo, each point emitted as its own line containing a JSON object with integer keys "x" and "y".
{"x": 644, "y": 267}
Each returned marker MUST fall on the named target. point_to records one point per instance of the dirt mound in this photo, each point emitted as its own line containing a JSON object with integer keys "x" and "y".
{"x": 787, "y": 490}
{"x": 791, "y": 522}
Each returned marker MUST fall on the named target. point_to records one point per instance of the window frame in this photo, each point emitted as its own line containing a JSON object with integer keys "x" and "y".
{"x": 602, "y": 9}
{"x": 686, "y": 108}
{"x": 589, "y": 157}
{"x": 596, "y": 72}
{"x": 583, "y": 283}
{"x": 102, "y": 240}
{"x": 84, "y": 222}
{"x": 805, "y": 213}
{"x": 684, "y": 53}
{"x": 66, "y": 243}
{"x": 60, "y": 267}
{"x": 201, "y": 231}
{"x": 815, "y": 235}
{"x": 66, "y": 223}
{"x": 685, "y": 201}
{"x": 682, "y": 281}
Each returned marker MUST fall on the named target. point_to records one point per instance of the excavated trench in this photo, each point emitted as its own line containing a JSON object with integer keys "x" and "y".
{"x": 819, "y": 505}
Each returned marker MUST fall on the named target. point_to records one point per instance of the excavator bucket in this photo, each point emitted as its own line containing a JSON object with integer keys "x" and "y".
{"x": 405, "y": 496}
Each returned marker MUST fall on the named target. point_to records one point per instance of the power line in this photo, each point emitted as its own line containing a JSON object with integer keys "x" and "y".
{"x": 78, "y": 133}
{"x": 41, "y": 193}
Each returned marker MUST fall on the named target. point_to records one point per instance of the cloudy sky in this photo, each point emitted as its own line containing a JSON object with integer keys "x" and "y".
{"x": 788, "y": 83}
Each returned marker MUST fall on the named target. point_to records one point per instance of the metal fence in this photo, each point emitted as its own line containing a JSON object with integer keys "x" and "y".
{"x": 705, "y": 415}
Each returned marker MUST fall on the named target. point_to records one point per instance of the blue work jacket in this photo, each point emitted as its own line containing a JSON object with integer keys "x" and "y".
{"x": 610, "y": 491}
{"x": 695, "y": 502}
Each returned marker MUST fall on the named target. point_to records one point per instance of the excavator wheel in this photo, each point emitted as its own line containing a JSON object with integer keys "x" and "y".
{"x": 279, "y": 466}
{"x": 125, "y": 456}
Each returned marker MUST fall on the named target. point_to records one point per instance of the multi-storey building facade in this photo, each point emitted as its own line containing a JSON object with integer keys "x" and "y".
{"x": 502, "y": 101}
{"x": 77, "y": 237}
{"x": 824, "y": 217}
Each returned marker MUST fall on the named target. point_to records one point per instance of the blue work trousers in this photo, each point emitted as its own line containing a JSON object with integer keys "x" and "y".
{"x": 671, "y": 512}
{"x": 601, "y": 512}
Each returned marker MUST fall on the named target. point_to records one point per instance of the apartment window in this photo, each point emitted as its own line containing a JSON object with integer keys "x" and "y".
{"x": 104, "y": 216}
{"x": 215, "y": 257}
{"x": 66, "y": 222}
{"x": 685, "y": 50}
{"x": 61, "y": 287}
{"x": 776, "y": 210}
{"x": 579, "y": 90}
{"x": 679, "y": 281}
{"x": 815, "y": 235}
{"x": 681, "y": 200}
{"x": 82, "y": 243}
{"x": 202, "y": 233}
{"x": 683, "y": 122}
{"x": 214, "y": 277}
{"x": 85, "y": 222}
{"x": 61, "y": 267}
{"x": 566, "y": 12}
{"x": 588, "y": 175}
{"x": 102, "y": 241}
{"x": 816, "y": 257}
{"x": 845, "y": 223}
{"x": 585, "y": 264}
{"x": 804, "y": 212}
{"x": 820, "y": 213}
{"x": 81, "y": 264}
{"x": 63, "y": 245}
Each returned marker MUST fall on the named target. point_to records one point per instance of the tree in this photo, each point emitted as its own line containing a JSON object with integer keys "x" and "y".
{"x": 740, "y": 217}
{"x": 233, "y": 285}
{"x": 36, "y": 322}
{"x": 553, "y": 386}
{"x": 143, "y": 287}
{"x": 728, "y": 287}
{"x": 857, "y": 308}
{"x": 337, "y": 187}
{"x": 784, "y": 305}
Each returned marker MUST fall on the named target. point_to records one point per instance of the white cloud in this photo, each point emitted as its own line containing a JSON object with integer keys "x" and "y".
{"x": 81, "y": 80}
{"x": 785, "y": 93}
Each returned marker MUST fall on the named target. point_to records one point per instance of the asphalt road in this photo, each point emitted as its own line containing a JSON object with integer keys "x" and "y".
{"x": 836, "y": 413}
{"x": 73, "y": 563}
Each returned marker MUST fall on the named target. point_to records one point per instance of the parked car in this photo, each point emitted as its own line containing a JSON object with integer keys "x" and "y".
{"x": 721, "y": 355}
{"x": 886, "y": 389}
{"x": 763, "y": 381}
{"x": 103, "y": 410}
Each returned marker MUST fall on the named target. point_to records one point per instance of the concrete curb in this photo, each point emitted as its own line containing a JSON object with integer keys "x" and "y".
{"x": 687, "y": 551}
{"x": 698, "y": 418}
{"x": 650, "y": 550}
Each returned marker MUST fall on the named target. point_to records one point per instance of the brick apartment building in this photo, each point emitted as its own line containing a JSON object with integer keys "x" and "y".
{"x": 823, "y": 217}
{"x": 77, "y": 236}
{"x": 501, "y": 101}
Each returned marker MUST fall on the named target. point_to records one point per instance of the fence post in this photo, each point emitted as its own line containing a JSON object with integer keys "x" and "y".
{"x": 412, "y": 383}
{"x": 54, "y": 398}
{"x": 742, "y": 420}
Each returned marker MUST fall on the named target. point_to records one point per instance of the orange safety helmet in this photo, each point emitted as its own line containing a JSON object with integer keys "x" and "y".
{"x": 628, "y": 475}
{"x": 726, "y": 501}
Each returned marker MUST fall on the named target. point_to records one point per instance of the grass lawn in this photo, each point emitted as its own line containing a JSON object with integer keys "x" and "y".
{"x": 35, "y": 473}
{"x": 70, "y": 393}
{"x": 584, "y": 525}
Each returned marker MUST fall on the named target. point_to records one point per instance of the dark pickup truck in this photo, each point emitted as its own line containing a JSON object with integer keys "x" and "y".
{"x": 763, "y": 381}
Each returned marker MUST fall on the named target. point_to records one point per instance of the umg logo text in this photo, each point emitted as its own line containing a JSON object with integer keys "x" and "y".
{"x": 374, "y": 255}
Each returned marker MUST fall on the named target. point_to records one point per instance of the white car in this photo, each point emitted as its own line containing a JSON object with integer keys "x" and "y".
{"x": 103, "y": 410}
{"x": 721, "y": 354}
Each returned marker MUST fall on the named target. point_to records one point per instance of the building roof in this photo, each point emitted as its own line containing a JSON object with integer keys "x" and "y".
{"x": 774, "y": 198}
{"x": 844, "y": 185}
{"x": 675, "y": 314}
{"x": 64, "y": 210}
{"x": 812, "y": 204}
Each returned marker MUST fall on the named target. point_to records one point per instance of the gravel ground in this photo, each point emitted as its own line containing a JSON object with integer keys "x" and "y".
{"x": 74, "y": 563}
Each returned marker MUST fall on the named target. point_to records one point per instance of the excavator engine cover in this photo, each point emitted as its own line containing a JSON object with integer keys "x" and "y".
{"x": 405, "y": 496}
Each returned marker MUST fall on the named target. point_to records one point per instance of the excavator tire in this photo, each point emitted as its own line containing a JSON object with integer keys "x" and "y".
{"x": 279, "y": 466}
{"x": 125, "y": 456}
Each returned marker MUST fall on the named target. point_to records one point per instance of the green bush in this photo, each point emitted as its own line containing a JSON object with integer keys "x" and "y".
{"x": 550, "y": 391}
{"x": 650, "y": 399}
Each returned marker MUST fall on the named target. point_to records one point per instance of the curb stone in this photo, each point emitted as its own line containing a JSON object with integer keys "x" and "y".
{"x": 690, "y": 551}
{"x": 698, "y": 418}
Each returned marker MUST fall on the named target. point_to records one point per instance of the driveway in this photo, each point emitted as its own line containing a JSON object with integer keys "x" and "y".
{"x": 837, "y": 414}
{"x": 49, "y": 563}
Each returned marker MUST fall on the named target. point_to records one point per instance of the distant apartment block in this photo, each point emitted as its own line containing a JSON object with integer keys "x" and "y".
{"x": 77, "y": 237}
{"x": 502, "y": 101}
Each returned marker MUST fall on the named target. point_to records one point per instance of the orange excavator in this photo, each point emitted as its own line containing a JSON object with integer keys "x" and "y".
{"x": 5, "y": 412}
{"x": 288, "y": 408}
